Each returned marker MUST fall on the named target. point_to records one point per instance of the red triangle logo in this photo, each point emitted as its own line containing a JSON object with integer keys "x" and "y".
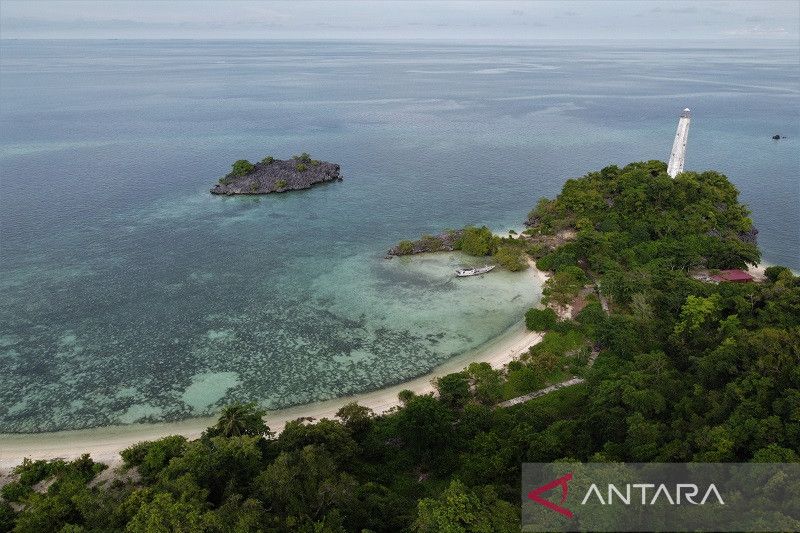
{"x": 562, "y": 481}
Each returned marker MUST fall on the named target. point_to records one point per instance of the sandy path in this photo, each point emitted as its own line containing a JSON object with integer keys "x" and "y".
{"x": 105, "y": 443}
{"x": 541, "y": 392}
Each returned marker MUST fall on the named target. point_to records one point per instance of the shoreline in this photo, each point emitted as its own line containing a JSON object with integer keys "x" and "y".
{"x": 104, "y": 443}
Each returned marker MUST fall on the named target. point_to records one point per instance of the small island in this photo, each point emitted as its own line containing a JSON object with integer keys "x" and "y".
{"x": 507, "y": 252}
{"x": 276, "y": 175}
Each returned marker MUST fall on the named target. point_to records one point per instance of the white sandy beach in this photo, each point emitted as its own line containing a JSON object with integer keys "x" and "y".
{"x": 105, "y": 443}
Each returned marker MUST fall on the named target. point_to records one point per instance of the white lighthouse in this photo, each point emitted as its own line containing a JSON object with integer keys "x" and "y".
{"x": 678, "y": 155}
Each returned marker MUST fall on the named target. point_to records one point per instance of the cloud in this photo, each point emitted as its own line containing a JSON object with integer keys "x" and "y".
{"x": 77, "y": 24}
{"x": 507, "y": 20}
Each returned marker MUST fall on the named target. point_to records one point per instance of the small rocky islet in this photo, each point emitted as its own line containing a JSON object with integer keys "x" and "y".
{"x": 276, "y": 175}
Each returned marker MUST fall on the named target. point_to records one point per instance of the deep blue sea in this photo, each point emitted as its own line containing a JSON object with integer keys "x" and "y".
{"x": 128, "y": 293}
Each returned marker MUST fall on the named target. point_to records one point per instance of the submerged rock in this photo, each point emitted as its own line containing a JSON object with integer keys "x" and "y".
{"x": 276, "y": 175}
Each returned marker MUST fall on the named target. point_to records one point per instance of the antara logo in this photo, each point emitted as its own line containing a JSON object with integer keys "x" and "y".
{"x": 562, "y": 481}
{"x": 684, "y": 493}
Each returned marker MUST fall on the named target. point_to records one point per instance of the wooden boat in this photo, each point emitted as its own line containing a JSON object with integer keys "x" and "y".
{"x": 464, "y": 272}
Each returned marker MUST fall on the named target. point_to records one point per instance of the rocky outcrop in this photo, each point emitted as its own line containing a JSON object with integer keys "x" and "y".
{"x": 444, "y": 242}
{"x": 750, "y": 236}
{"x": 275, "y": 175}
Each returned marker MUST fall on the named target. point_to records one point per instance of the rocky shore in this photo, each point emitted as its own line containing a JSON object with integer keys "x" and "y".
{"x": 276, "y": 175}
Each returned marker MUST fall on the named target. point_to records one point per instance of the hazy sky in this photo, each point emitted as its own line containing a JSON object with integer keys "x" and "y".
{"x": 730, "y": 21}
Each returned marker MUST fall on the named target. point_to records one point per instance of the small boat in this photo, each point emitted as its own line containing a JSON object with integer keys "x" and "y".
{"x": 464, "y": 272}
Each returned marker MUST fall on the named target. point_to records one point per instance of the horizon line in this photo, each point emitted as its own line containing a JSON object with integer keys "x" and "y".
{"x": 765, "y": 40}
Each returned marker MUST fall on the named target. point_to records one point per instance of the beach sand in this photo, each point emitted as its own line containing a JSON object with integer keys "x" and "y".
{"x": 105, "y": 443}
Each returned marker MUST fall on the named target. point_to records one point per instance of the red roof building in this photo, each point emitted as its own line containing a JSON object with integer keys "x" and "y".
{"x": 733, "y": 276}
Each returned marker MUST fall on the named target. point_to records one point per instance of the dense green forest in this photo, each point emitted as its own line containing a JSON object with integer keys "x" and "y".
{"x": 687, "y": 371}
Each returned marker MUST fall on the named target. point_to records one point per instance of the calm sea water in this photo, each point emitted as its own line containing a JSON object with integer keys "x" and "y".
{"x": 128, "y": 293}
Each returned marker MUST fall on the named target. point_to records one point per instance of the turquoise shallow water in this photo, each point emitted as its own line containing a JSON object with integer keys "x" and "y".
{"x": 128, "y": 293}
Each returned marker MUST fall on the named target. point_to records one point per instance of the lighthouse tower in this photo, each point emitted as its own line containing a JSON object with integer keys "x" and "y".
{"x": 678, "y": 155}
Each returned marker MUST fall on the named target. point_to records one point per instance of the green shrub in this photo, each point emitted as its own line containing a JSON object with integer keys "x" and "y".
{"x": 15, "y": 491}
{"x": 134, "y": 455}
{"x": 536, "y": 250}
{"x": 576, "y": 273}
{"x": 475, "y": 241}
{"x": 81, "y": 470}
{"x": 32, "y": 472}
{"x": 510, "y": 258}
{"x": 453, "y": 389}
{"x": 304, "y": 157}
{"x": 7, "y": 517}
{"x": 773, "y": 272}
{"x": 487, "y": 382}
{"x": 540, "y": 319}
{"x": 406, "y": 396}
{"x": 242, "y": 167}
{"x": 152, "y": 457}
{"x": 521, "y": 379}
{"x": 356, "y": 418}
{"x": 315, "y": 162}
{"x": 564, "y": 285}
{"x": 268, "y": 160}
{"x": 431, "y": 243}
{"x": 281, "y": 184}
{"x": 405, "y": 247}
{"x": 557, "y": 344}
{"x": 300, "y": 167}
{"x": 565, "y": 255}
{"x": 592, "y": 317}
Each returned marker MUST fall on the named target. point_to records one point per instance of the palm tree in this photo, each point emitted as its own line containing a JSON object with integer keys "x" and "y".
{"x": 240, "y": 419}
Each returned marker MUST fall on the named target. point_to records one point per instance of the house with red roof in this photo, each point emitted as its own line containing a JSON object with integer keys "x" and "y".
{"x": 733, "y": 276}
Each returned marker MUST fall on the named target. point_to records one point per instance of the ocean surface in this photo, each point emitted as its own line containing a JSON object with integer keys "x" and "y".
{"x": 128, "y": 293}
